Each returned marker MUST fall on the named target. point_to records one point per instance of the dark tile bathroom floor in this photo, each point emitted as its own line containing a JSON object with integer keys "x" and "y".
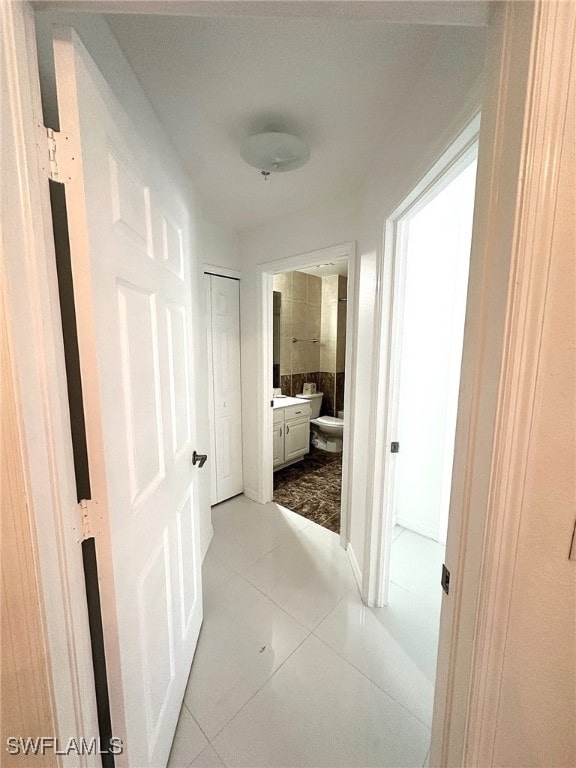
{"x": 312, "y": 488}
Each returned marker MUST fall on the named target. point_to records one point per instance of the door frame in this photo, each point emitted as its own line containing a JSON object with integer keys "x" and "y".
{"x": 264, "y": 280}
{"x": 388, "y": 350}
{"x": 524, "y": 113}
{"x": 35, "y": 331}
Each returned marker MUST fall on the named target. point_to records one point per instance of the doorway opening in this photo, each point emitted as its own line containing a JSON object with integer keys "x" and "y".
{"x": 307, "y": 363}
{"x": 435, "y": 243}
{"x": 309, "y": 380}
{"x": 431, "y": 238}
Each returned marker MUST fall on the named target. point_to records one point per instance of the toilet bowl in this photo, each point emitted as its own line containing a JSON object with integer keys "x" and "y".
{"x": 327, "y": 431}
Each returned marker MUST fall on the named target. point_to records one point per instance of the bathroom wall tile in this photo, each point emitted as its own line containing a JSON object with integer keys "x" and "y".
{"x": 314, "y": 321}
{"x": 299, "y": 286}
{"x": 339, "y": 398}
{"x": 283, "y": 283}
{"x": 341, "y": 337}
{"x": 314, "y": 377}
{"x": 298, "y": 380}
{"x": 340, "y": 357}
{"x": 300, "y": 357}
{"x": 329, "y": 321}
{"x": 341, "y": 348}
{"x": 285, "y": 355}
{"x": 327, "y": 385}
{"x": 299, "y": 319}
{"x": 314, "y": 289}
{"x": 286, "y": 384}
{"x": 286, "y": 317}
{"x": 329, "y": 288}
{"x": 328, "y": 356}
{"x": 313, "y": 357}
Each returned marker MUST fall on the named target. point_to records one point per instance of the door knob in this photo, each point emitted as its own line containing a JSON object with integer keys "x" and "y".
{"x": 199, "y": 458}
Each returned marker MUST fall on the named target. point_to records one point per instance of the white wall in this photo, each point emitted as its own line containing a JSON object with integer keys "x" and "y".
{"x": 437, "y": 265}
{"x": 209, "y": 242}
{"x": 429, "y": 118}
{"x": 218, "y": 245}
{"x": 335, "y": 221}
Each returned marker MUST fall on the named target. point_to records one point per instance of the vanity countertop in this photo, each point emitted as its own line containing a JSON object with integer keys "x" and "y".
{"x": 284, "y": 402}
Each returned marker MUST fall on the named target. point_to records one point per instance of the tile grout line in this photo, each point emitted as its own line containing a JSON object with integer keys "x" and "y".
{"x": 289, "y": 615}
{"x": 275, "y": 603}
{"x": 260, "y": 688}
{"x": 347, "y": 661}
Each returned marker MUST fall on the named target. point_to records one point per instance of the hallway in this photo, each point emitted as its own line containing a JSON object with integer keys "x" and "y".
{"x": 291, "y": 668}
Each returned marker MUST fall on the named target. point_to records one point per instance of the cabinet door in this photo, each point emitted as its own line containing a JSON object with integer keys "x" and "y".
{"x": 296, "y": 439}
{"x": 278, "y": 444}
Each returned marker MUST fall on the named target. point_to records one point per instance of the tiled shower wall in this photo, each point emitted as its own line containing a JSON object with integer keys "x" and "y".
{"x": 299, "y": 318}
{"x": 313, "y": 307}
{"x": 333, "y": 346}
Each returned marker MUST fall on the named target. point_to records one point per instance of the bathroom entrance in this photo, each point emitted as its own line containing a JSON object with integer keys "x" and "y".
{"x": 308, "y": 349}
{"x": 309, "y": 356}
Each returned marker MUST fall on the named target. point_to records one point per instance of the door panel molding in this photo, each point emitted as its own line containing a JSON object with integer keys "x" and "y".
{"x": 137, "y": 369}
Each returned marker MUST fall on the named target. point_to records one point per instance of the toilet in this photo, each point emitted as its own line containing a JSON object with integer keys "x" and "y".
{"x": 327, "y": 431}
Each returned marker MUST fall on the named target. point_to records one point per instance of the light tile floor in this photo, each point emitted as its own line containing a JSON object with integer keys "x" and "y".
{"x": 291, "y": 668}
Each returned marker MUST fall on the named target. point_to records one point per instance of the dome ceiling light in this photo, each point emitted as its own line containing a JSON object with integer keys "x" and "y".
{"x": 274, "y": 151}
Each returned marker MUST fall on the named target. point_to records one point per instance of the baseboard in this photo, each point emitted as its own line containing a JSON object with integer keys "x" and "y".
{"x": 430, "y": 533}
{"x": 252, "y": 495}
{"x": 204, "y": 545}
{"x": 355, "y": 567}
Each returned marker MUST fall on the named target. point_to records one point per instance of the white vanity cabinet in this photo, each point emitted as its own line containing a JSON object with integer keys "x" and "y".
{"x": 291, "y": 431}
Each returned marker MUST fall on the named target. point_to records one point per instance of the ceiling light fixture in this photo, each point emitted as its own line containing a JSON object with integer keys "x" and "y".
{"x": 274, "y": 151}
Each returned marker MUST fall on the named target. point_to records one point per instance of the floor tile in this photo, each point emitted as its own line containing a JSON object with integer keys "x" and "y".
{"x": 188, "y": 743}
{"x": 312, "y": 487}
{"x": 245, "y": 531}
{"x": 244, "y": 638}
{"x": 317, "y": 710}
{"x": 306, "y": 576}
{"x": 215, "y": 572}
{"x": 208, "y": 759}
{"x": 394, "y": 646}
{"x": 416, "y": 563}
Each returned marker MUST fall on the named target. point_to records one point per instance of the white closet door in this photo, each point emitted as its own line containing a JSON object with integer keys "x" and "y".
{"x": 130, "y": 260}
{"x": 224, "y": 296}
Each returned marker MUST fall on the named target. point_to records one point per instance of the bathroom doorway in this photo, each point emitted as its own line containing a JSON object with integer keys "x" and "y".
{"x": 309, "y": 357}
{"x": 307, "y": 369}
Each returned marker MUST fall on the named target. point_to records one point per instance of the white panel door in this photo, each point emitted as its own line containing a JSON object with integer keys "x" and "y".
{"x": 130, "y": 250}
{"x": 225, "y": 326}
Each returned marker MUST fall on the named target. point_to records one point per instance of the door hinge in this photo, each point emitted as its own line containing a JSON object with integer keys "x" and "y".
{"x": 85, "y": 526}
{"x": 394, "y": 447}
{"x": 59, "y": 158}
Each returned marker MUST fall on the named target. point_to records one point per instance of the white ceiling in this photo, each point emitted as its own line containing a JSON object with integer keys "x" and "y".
{"x": 335, "y": 83}
{"x": 325, "y": 270}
